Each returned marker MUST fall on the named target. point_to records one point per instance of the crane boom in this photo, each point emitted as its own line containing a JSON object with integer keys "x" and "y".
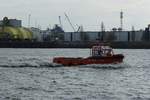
{"x": 70, "y": 22}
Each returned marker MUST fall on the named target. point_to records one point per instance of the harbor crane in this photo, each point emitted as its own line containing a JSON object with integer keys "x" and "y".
{"x": 70, "y": 22}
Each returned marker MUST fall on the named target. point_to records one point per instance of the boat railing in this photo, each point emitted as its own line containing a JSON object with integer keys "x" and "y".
{"x": 101, "y": 51}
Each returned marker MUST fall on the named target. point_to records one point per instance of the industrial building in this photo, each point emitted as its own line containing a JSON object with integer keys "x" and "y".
{"x": 36, "y": 34}
{"x": 11, "y": 29}
{"x": 11, "y": 22}
{"x": 119, "y": 36}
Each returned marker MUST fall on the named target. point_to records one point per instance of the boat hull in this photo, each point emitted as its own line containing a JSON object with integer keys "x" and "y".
{"x": 115, "y": 59}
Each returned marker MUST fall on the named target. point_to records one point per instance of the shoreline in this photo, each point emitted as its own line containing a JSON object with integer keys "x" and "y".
{"x": 29, "y": 44}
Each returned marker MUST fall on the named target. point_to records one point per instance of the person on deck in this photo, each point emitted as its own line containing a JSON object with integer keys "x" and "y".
{"x": 100, "y": 52}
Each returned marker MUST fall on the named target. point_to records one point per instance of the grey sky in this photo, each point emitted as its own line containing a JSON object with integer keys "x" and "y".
{"x": 88, "y": 13}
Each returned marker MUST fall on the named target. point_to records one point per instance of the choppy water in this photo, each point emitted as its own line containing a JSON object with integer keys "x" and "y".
{"x": 29, "y": 74}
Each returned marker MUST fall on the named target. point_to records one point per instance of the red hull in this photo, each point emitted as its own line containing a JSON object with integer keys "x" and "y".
{"x": 90, "y": 60}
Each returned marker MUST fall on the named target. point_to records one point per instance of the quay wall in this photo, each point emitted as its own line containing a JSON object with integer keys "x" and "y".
{"x": 28, "y": 44}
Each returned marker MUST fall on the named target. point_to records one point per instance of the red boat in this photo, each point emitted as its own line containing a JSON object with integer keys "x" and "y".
{"x": 99, "y": 55}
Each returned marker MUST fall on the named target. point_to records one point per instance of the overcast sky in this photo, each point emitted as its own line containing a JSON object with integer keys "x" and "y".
{"x": 89, "y": 13}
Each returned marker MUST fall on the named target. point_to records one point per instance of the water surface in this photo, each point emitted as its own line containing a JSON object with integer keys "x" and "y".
{"x": 29, "y": 74}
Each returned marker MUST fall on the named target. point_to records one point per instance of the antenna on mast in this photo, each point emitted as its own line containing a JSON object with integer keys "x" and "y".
{"x": 121, "y": 20}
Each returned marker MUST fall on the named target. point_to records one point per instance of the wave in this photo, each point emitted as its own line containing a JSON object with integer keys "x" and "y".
{"x": 27, "y": 62}
{"x": 46, "y": 62}
{"x": 42, "y": 65}
{"x": 108, "y": 66}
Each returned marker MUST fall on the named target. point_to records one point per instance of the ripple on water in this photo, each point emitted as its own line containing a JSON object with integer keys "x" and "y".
{"x": 28, "y": 74}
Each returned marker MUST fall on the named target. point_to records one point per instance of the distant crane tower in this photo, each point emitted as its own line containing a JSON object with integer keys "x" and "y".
{"x": 60, "y": 22}
{"x": 29, "y": 19}
{"x": 121, "y": 20}
{"x": 69, "y": 22}
{"x": 133, "y": 28}
{"x": 102, "y": 27}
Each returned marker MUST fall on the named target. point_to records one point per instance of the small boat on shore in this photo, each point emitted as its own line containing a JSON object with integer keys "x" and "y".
{"x": 99, "y": 55}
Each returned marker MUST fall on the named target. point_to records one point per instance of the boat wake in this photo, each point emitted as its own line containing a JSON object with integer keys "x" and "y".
{"x": 44, "y": 62}
{"x": 26, "y": 62}
{"x": 108, "y": 66}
